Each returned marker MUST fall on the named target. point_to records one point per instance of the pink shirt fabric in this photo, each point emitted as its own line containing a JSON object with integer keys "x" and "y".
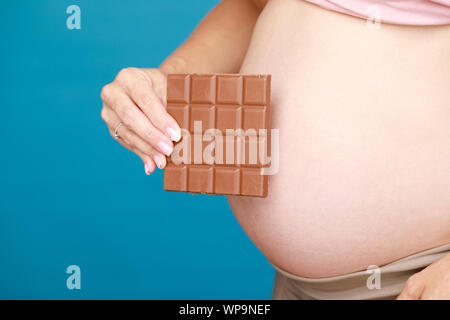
{"x": 407, "y": 12}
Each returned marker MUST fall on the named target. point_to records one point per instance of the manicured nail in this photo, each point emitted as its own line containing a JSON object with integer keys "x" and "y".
{"x": 165, "y": 148}
{"x": 174, "y": 134}
{"x": 159, "y": 160}
{"x": 147, "y": 169}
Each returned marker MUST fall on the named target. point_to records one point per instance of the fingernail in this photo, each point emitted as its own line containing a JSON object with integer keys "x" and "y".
{"x": 147, "y": 169}
{"x": 174, "y": 134}
{"x": 165, "y": 148}
{"x": 159, "y": 161}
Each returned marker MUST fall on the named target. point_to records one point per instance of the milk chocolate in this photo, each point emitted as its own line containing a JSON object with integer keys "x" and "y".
{"x": 225, "y": 121}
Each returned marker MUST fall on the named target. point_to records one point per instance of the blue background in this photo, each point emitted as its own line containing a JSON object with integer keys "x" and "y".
{"x": 70, "y": 194}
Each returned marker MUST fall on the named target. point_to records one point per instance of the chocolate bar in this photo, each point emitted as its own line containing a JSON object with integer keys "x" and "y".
{"x": 225, "y": 122}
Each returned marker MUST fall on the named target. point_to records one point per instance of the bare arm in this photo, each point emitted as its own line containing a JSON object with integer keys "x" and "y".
{"x": 220, "y": 42}
{"x": 134, "y": 103}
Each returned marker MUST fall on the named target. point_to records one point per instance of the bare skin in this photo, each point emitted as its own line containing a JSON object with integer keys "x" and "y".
{"x": 364, "y": 127}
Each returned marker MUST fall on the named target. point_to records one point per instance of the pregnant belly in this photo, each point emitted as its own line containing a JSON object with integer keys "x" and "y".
{"x": 364, "y": 120}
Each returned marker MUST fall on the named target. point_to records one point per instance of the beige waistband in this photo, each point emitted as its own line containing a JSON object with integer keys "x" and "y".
{"x": 385, "y": 282}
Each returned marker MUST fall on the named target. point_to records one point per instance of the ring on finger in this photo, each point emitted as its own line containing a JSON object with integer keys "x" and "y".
{"x": 116, "y": 131}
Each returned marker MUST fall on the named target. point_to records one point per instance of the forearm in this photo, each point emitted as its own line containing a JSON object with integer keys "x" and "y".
{"x": 219, "y": 43}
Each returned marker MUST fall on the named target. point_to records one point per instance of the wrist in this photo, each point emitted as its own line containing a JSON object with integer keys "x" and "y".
{"x": 173, "y": 64}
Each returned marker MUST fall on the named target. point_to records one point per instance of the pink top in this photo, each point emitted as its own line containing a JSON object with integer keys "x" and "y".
{"x": 408, "y": 12}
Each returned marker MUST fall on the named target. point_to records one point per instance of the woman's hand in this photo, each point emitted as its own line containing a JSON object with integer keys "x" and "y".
{"x": 136, "y": 98}
{"x": 432, "y": 283}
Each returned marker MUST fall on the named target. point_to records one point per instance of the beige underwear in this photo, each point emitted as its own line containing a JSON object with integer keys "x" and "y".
{"x": 385, "y": 282}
